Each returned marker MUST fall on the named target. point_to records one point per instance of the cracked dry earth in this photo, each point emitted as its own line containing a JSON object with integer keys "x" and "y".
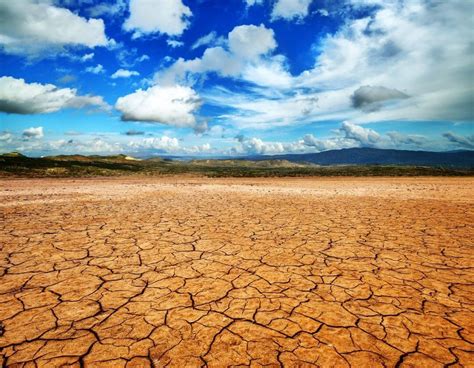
{"x": 186, "y": 272}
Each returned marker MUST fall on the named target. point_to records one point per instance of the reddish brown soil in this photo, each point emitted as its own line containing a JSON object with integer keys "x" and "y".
{"x": 226, "y": 272}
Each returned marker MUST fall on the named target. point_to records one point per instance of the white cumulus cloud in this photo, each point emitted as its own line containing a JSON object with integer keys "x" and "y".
{"x": 290, "y": 9}
{"x": 247, "y": 44}
{"x": 20, "y": 97}
{"x": 250, "y": 41}
{"x": 123, "y": 73}
{"x": 33, "y": 133}
{"x": 171, "y": 105}
{"x": 170, "y": 17}
{"x": 365, "y": 136}
{"x": 326, "y": 144}
{"x": 34, "y": 28}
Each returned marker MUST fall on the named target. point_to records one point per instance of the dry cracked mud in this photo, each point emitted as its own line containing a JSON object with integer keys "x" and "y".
{"x": 188, "y": 272}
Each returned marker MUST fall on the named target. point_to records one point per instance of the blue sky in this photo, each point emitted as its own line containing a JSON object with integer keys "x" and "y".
{"x": 237, "y": 77}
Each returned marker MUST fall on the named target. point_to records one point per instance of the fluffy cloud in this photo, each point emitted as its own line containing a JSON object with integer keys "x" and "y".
{"x": 157, "y": 16}
{"x": 326, "y": 144}
{"x": 172, "y": 105}
{"x": 365, "y": 136}
{"x": 246, "y": 45}
{"x": 33, "y": 133}
{"x": 290, "y": 9}
{"x": 19, "y": 97}
{"x": 420, "y": 48}
{"x": 123, "y": 73}
{"x": 34, "y": 28}
{"x": 98, "y": 69}
{"x": 256, "y": 146}
{"x": 364, "y": 72}
{"x": 370, "y": 98}
{"x": 459, "y": 140}
{"x": 250, "y": 41}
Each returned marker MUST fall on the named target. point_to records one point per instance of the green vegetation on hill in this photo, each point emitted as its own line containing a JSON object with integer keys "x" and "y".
{"x": 17, "y": 165}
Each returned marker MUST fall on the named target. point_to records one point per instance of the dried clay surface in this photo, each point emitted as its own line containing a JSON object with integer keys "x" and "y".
{"x": 190, "y": 272}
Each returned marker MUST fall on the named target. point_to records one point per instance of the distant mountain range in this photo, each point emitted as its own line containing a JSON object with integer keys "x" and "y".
{"x": 375, "y": 156}
{"x": 347, "y": 162}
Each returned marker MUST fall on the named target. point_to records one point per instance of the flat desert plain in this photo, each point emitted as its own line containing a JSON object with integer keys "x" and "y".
{"x": 190, "y": 272}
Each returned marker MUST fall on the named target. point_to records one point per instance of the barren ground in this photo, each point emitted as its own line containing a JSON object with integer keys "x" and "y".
{"x": 184, "y": 272}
